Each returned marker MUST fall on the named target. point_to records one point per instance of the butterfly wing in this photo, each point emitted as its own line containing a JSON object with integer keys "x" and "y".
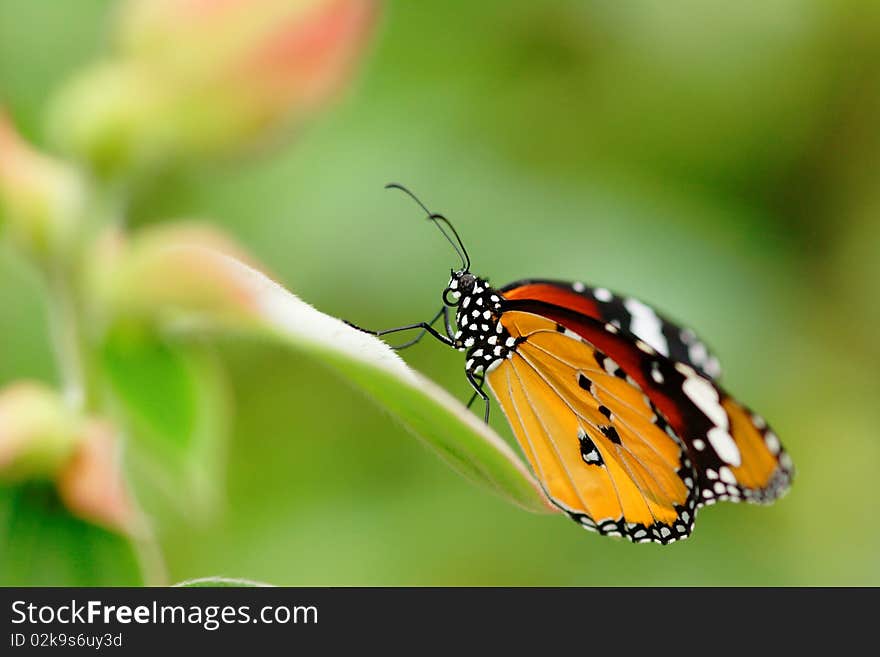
{"x": 593, "y": 438}
{"x": 735, "y": 454}
{"x": 625, "y": 313}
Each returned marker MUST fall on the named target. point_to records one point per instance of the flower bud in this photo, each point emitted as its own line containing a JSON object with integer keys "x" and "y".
{"x": 42, "y": 200}
{"x": 197, "y": 78}
{"x": 91, "y": 483}
{"x": 38, "y": 434}
{"x": 42, "y": 439}
{"x": 169, "y": 271}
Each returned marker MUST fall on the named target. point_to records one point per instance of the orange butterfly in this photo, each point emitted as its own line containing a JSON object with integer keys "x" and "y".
{"x": 617, "y": 409}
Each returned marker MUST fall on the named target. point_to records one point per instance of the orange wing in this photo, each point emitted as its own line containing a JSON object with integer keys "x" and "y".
{"x": 735, "y": 454}
{"x": 602, "y": 453}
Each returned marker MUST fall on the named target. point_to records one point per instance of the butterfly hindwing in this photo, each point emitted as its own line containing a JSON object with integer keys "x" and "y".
{"x": 735, "y": 454}
{"x": 628, "y": 314}
{"x": 601, "y": 452}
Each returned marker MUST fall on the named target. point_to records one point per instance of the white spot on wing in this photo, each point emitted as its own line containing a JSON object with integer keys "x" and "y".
{"x": 697, "y": 353}
{"x": 646, "y": 325}
{"x": 602, "y": 294}
{"x": 656, "y": 374}
{"x": 705, "y": 397}
{"x": 724, "y": 446}
{"x": 772, "y": 443}
{"x": 726, "y": 475}
{"x": 712, "y": 367}
{"x": 644, "y": 346}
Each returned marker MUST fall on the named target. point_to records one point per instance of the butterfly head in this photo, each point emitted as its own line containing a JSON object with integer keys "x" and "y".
{"x": 461, "y": 284}
{"x": 478, "y": 306}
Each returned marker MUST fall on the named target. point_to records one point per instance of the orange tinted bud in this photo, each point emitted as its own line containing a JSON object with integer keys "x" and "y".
{"x": 41, "y": 199}
{"x": 194, "y": 78}
{"x": 91, "y": 483}
{"x": 169, "y": 271}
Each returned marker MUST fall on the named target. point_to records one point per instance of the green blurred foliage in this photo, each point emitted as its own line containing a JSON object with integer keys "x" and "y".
{"x": 74, "y": 553}
{"x": 719, "y": 160}
{"x": 174, "y": 399}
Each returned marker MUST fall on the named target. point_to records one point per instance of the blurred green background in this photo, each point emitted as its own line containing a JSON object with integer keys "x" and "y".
{"x": 720, "y": 160}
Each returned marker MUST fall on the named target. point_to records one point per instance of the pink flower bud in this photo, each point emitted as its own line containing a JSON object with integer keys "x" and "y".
{"x": 208, "y": 77}
{"x": 42, "y": 439}
{"x": 169, "y": 271}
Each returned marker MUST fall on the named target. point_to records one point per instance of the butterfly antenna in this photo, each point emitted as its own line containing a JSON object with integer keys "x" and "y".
{"x": 437, "y": 219}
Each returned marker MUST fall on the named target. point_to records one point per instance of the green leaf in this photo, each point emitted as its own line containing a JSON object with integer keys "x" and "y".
{"x": 171, "y": 400}
{"x": 219, "y": 582}
{"x": 42, "y": 544}
{"x": 245, "y": 299}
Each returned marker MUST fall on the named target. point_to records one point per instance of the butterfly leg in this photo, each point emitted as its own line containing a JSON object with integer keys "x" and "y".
{"x": 444, "y": 312}
{"x": 474, "y": 396}
{"x": 425, "y": 326}
{"x": 478, "y": 392}
{"x": 447, "y": 322}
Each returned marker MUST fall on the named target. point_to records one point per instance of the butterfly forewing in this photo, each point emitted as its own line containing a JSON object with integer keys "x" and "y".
{"x": 592, "y": 437}
{"x": 628, "y": 314}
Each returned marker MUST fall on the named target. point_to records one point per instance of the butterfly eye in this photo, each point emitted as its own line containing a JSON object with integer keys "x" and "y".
{"x": 451, "y": 297}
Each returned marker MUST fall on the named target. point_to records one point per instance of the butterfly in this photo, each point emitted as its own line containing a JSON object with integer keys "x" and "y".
{"x": 617, "y": 409}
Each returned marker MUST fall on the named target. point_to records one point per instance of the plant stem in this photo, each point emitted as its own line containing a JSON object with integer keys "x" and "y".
{"x": 80, "y": 376}
{"x": 68, "y": 342}
{"x": 150, "y": 560}
{"x": 69, "y": 329}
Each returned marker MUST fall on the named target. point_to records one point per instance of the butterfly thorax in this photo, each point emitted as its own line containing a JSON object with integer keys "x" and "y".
{"x": 480, "y": 333}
